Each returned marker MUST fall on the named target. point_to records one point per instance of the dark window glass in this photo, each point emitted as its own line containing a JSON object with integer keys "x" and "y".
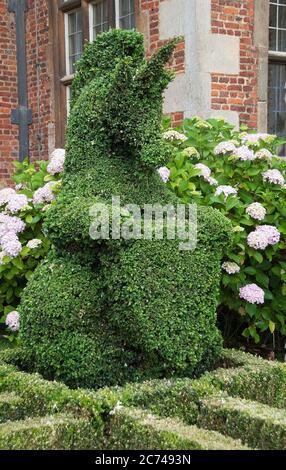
{"x": 74, "y": 38}
{"x": 277, "y": 100}
{"x": 127, "y": 14}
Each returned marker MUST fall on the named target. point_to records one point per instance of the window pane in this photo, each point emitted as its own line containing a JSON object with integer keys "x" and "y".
{"x": 124, "y": 7}
{"x": 272, "y": 39}
{"x": 282, "y": 40}
{"x": 282, "y": 17}
{"x": 277, "y": 100}
{"x": 74, "y": 39}
{"x": 127, "y": 14}
{"x": 100, "y": 17}
{"x": 273, "y": 15}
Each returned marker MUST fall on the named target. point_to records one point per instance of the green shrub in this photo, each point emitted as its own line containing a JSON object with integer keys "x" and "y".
{"x": 105, "y": 311}
{"x": 252, "y": 262}
{"x": 22, "y": 211}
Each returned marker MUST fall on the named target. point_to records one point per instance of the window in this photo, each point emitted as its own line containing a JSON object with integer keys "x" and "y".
{"x": 73, "y": 39}
{"x": 126, "y": 14}
{"x": 277, "y": 26}
{"x": 105, "y": 14}
{"x": 99, "y": 20}
{"x": 277, "y": 70}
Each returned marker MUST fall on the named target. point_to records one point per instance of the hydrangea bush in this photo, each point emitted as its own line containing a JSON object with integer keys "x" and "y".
{"x": 22, "y": 241}
{"x": 238, "y": 173}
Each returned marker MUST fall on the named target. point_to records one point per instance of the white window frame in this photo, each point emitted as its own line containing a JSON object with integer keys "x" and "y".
{"x": 90, "y": 16}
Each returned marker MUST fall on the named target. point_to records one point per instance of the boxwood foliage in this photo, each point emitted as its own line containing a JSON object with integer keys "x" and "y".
{"x": 103, "y": 311}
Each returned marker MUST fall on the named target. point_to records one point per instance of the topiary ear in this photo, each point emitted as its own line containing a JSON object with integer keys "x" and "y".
{"x": 153, "y": 72}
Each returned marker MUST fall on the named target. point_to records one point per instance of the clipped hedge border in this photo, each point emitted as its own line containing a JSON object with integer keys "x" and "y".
{"x": 241, "y": 375}
{"x": 132, "y": 428}
{"x": 57, "y": 432}
{"x": 256, "y": 424}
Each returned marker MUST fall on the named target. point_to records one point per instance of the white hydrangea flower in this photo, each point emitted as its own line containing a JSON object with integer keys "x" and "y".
{"x": 5, "y": 195}
{"x": 254, "y": 139}
{"x": 224, "y": 147}
{"x": 205, "y": 171}
{"x": 243, "y": 153}
{"x": 256, "y": 211}
{"x": 212, "y": 181}
{"x": 35, "y": 243}
{"x": 191, "y": 152}
{"x": 226, "y": 190}
{"x": 202, "y": 124}
{"x": 263, "y": 154}
{"x": 17, "y": 202}
{"x": 230, "y": 267}
{"x": 172, "y": 135}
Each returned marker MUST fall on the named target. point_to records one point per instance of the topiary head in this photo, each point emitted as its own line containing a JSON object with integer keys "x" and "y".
{"x": 117, "y": 104}
{"x": 100, "y": 56}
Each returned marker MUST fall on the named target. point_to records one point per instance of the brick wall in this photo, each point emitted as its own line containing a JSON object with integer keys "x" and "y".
{"x": 38, "y": 85}
{"x": 38, "y": 78}
{"x": 8, "y": 93}
{"x": 237, "y": 92}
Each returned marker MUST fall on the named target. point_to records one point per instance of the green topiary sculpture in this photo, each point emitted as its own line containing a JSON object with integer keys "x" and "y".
{"x": 100, "y": 312}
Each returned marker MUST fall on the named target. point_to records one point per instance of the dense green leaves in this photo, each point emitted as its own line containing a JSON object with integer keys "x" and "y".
{"x": 266, "y": 268}
{"x": 14, "y": 272}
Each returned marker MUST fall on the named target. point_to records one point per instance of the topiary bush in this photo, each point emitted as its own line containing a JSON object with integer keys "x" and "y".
{"x": 103, "y": 311}
{"x": 239, "y": 174}
{"x": 22, "y": 242}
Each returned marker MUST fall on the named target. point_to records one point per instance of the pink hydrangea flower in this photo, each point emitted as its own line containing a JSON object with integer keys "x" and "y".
{"x": 10, "y": 243}
{"x": 10, "y": 224}
{"x": 252, "y": 294}
{"x": 17, "y": 202}
{"x": 263, "y": 236}
{"x": 244, "y": 153}
{"x": 272, "y": 233}
{"x": 257, "y": 240}
{"x": 226, "y": 190}
{"x": 273, "y": 176}
{"x": 164, "y": 173}
{"x": 57, "y": 161}
{"x": 44, "y": 194}
{"x": 13, "y": 321}
{"x": 256, "y": 211}
{"x": 33, "y": 244}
